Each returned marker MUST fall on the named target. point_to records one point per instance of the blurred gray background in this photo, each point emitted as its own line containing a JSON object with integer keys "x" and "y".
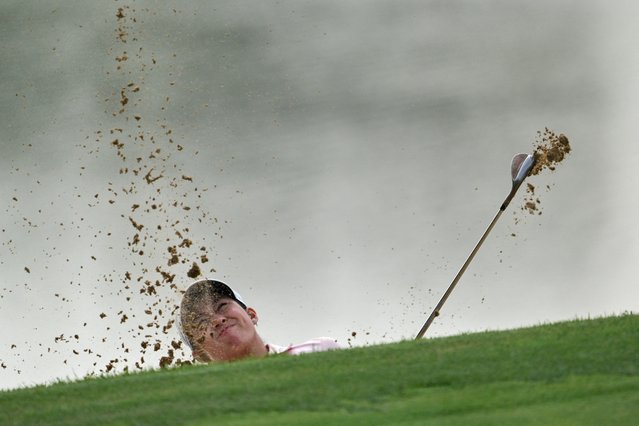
{"x": 345, "y": 157}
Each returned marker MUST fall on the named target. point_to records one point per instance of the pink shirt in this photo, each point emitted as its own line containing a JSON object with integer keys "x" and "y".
{"x": 314, "y": 345}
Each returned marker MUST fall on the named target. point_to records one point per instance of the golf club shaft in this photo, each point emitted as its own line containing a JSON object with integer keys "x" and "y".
{"x": 459, "y": 274}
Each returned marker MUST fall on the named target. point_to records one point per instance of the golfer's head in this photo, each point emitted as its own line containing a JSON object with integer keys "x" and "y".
{"x": 214, "y": 321}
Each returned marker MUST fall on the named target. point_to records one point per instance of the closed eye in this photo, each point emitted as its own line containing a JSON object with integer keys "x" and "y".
{"x": 221, "y": 307}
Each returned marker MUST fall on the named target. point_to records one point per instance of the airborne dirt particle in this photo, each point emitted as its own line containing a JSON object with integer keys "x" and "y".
{"x": 150, "y": 179}
{"x": 136, "y": 225}
{"x": 195, "y": 271}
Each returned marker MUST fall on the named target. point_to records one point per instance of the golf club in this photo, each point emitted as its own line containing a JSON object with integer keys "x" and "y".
{"x": 519, "y": 169}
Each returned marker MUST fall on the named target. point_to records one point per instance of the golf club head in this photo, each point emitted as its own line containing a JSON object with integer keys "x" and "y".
{"x": 521, "y": 165}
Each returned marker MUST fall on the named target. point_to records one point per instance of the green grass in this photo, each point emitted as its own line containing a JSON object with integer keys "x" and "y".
{"x": 574, "y": 373}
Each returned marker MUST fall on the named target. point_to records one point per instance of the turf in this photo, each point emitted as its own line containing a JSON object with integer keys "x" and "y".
{"x": 575, "y": 373}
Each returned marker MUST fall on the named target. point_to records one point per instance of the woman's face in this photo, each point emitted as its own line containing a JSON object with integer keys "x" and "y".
{"x": 223, "y": 331}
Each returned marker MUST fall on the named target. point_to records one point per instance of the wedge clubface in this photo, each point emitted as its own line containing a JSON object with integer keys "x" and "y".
{"x": 520, "y": 168}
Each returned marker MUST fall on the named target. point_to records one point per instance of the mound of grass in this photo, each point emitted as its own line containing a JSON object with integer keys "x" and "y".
{"x": 577, "y": 372}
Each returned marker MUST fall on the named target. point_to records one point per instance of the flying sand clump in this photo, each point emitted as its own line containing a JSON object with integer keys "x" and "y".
{"x": 550, "y": 150}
